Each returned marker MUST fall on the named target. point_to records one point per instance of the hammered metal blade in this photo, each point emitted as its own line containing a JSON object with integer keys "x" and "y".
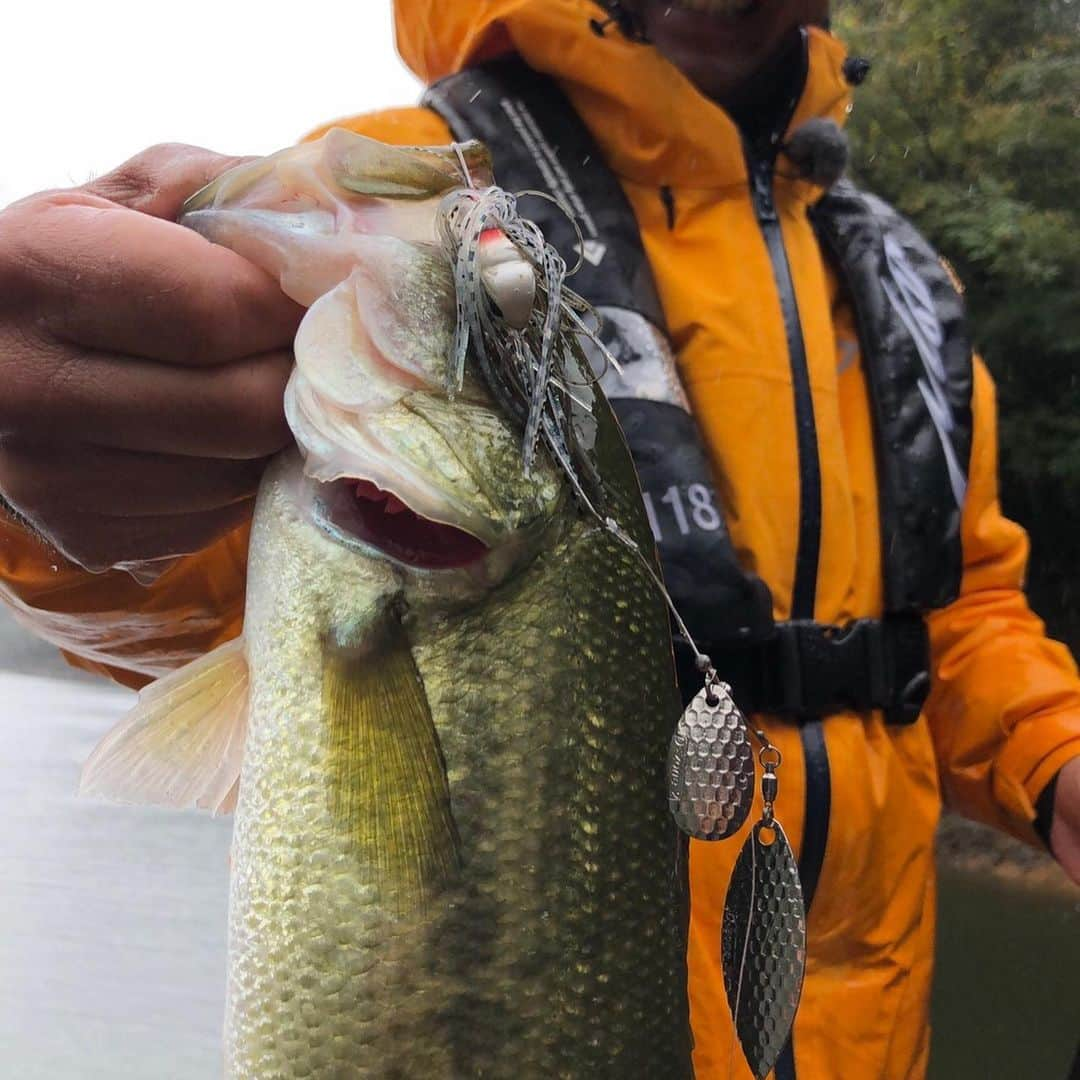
{"x": 711, "y": 767}
{"x": 763, "y": 968}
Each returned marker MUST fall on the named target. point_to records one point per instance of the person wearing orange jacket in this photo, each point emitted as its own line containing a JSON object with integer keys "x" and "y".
{"x": 143, "y": 378}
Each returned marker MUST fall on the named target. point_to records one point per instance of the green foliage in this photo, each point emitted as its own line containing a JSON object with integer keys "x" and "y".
{"x": 970, "y": 123}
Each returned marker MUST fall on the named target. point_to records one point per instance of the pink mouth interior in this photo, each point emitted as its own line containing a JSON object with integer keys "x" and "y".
{"x": 386, "y": 522}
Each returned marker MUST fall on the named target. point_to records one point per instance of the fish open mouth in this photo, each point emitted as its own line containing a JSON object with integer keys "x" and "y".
{"x": 360, "y": 510}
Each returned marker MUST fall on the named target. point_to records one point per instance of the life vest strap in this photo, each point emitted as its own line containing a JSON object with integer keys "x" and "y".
{"x": 807, "y": 670}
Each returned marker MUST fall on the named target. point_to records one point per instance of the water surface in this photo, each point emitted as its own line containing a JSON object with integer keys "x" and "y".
{"x": 112, "y": 921}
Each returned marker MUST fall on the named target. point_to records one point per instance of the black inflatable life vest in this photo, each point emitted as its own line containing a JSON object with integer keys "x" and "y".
{"x": 919, "y": 363}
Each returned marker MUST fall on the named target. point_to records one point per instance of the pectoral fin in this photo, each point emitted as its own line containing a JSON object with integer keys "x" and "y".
{"x": 388, "y": 789}
{"x": 183, "y": 743}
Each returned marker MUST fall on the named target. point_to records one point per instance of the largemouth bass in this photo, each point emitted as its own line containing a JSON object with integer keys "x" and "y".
{"x": 444, "y": 730}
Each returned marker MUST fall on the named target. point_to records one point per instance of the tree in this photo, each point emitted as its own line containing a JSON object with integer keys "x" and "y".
{"x": 970, "y": 123}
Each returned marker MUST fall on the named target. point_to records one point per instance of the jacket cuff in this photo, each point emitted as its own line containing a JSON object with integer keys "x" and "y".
{"x": 1032, "y": 757}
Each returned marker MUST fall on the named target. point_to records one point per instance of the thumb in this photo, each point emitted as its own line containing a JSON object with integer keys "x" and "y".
{"x": 160, "y": 179}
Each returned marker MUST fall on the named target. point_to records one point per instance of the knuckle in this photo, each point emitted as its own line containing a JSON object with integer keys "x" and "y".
{"x": 46, "y": 388}
{"x": 210, "y": 338}
{"x": 199, "y": 345}
{"x": 56, "y": 388}
{"x": 257, "y": 408}
{"x": 141, "y": 177}
{"x": 28, "y": 401}
{"x": 139, "y": 180}
{"x": 134, "y": 181}
{"x": 207, "y": 337}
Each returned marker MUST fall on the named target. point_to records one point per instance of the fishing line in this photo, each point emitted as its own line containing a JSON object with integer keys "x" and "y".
{"x": 456, "y": 147}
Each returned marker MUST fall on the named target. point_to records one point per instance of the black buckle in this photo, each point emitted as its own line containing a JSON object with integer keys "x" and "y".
{"x": 820, "y": 667}
{"x": 807, "y": 669}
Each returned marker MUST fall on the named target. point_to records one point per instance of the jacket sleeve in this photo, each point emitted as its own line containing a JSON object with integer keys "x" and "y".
{"x": 1005, "y": 707}
{"x": 110, "y": 623}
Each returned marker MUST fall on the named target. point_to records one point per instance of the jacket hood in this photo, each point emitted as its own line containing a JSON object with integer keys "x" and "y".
{"x": 652, "y": 123}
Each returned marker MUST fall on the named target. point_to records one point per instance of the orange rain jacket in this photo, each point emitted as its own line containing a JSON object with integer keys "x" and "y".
{"x": 1004, "y": 714}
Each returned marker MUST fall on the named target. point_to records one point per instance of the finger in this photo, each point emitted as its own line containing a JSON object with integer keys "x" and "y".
{"x": 116, "y": 483}
{"x": 98, "y": 542}
{"x": 160, "y": 179}
{"x": 108, "y": 278}
{"x": 234, "y": 411}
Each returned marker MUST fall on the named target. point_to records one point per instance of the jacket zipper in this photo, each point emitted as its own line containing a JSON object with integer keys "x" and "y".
{"x": 808, "y": 554}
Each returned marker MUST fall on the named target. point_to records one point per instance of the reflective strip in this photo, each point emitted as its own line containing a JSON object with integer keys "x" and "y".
{"x": 911, "y": 299}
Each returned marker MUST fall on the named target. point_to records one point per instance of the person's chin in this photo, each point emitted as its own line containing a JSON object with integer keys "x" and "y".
{"x": 717, "y": 48}
{"x": 716, "y": 19}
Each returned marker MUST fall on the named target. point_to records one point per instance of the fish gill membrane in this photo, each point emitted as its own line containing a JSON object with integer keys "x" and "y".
{"x": 445, "y": 727}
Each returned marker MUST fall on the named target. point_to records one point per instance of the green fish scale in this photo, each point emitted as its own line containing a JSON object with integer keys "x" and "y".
{"x": 553, "y": 705}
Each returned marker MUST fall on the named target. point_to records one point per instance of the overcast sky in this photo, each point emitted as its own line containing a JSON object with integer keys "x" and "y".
{"x": 84, "y": 85}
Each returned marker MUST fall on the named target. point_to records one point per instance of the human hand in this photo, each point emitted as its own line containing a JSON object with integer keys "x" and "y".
{"x": 142, "y": 368}
{"x": 1065, "y": 829}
